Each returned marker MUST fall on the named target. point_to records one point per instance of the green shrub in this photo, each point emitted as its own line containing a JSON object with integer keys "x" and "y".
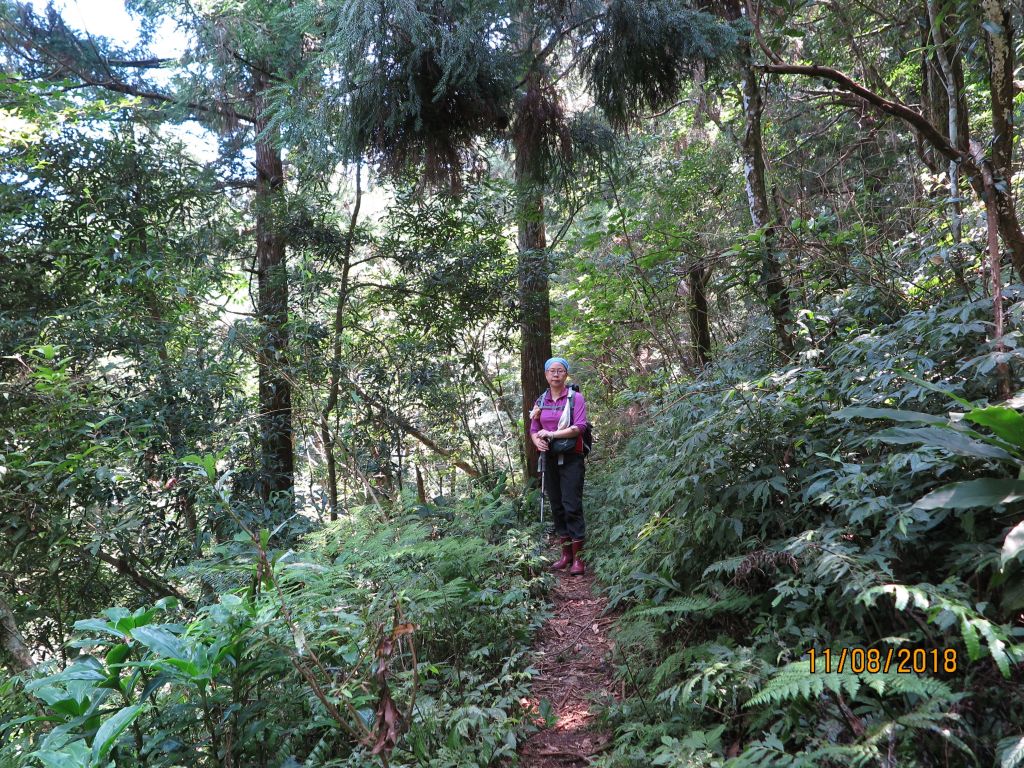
{"x": 421, "y": 622}
{"x": 755, "y": 519}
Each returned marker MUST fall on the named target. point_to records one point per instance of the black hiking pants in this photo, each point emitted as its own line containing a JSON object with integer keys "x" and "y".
{"x": 564, "y": 486}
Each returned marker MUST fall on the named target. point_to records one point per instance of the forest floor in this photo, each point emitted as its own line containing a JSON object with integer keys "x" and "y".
{"x": 574, "y": 658}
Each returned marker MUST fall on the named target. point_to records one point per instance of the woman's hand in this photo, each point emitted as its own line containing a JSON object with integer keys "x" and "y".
{"x": 548, "y": 434}
{"x": 540, "y": 440}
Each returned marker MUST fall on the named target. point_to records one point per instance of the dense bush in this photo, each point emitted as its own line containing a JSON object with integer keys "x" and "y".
{"x": 764, "y": 514}
{"x": 407, "y": 633}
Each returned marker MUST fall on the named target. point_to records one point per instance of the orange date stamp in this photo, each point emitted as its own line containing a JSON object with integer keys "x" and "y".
{"x": 903, "y": 661}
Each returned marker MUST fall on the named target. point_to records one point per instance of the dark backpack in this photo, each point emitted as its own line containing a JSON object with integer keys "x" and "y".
{"x": 588, "y": 428}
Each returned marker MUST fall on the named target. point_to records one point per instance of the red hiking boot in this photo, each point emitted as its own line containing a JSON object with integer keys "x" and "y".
{"x": 578, "y": 568}
{"x": 561, "y": 565}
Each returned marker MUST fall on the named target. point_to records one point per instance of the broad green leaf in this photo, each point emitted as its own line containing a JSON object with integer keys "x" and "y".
{"x": 166, "y": 604}
{"x": 996, "y": 646}
{"x": 111, "y": 729}
{"x": 970, "y": 635}
{"x": 1004, "y": 422}
{"x": 187, "y": 667}
{"x": 1012, "y": 544}
{"x": 160, "y": 641}
{"x": 117, "y": 654}
{"x": 1011, "y": 752}
{"x": 986, "y": 492}
{"x": 98, "y": 625}
{"x": 70, "y": 707}
{"x": 127, "y": 624}
{"x": 84, "y": 673}
{"x": 946, "y": 439}
{"x": 893, "y": 414}
{"x": 73, "y": 755}
{"x": 932, "y": 387}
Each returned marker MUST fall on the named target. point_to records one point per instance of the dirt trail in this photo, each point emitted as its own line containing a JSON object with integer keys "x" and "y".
{"x": 574, "y": 658}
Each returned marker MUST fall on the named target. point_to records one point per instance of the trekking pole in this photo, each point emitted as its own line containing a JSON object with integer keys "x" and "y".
{"x": 541, "y": 466}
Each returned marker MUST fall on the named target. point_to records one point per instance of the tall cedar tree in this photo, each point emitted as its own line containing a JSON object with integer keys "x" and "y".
{"x": 423, "y": 84}
{"x": 226, "y": 82}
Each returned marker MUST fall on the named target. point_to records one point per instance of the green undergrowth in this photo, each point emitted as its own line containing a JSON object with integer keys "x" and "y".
{"x": 865, "y": 497}
{"x": 406, "y": 636}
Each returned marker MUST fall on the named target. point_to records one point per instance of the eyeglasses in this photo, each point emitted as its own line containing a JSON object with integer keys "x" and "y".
{"x": 557, "y": 371}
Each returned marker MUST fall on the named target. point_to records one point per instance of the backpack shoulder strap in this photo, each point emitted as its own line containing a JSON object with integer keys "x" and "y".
{"x": 538, "y": 405}
{"x": 568, "y": 404}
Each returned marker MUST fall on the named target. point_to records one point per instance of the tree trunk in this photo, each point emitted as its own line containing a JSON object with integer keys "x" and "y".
{"x": 931, "y": 97}
{"x": 941, "y": 71}
{"x": 534, "y": 299}
{"x": 999, "y": 43}
{"x": 752, "y": 148}
{"x": 275, "y": 395}
{"x": 421, "y": 489}
{"x": 334, "y": 386}
{"x": 956, "y": 130}
{"x": 12, "y": 643}
{"x": 700, "y": 328}
{"x": 952, "y": 93}
{"x": 995, "y": 267}
{"x": 772, "y": 283}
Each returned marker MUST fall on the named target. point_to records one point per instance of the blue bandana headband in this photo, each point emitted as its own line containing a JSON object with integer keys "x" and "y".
{"x": 553, "y": 360}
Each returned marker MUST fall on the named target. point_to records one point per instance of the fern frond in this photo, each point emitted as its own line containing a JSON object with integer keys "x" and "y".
{"x": 727, "y": 566}
{"x": 769, "y": 752}
{"x": 319, "y": 755}
{"x": 723, "y": 678}
{"x": 894, "y": 684}
{"x": 669, "y": 666}
{"x": 853, "y": 755}
{"x": 796, "y": 681}
{"x": 730, "y": 600}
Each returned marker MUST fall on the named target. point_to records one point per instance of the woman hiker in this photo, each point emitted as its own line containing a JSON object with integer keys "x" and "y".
{"x": 557, "y": 431}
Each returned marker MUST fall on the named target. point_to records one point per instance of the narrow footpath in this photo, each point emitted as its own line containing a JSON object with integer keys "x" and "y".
{"x": 574, "y": 658}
